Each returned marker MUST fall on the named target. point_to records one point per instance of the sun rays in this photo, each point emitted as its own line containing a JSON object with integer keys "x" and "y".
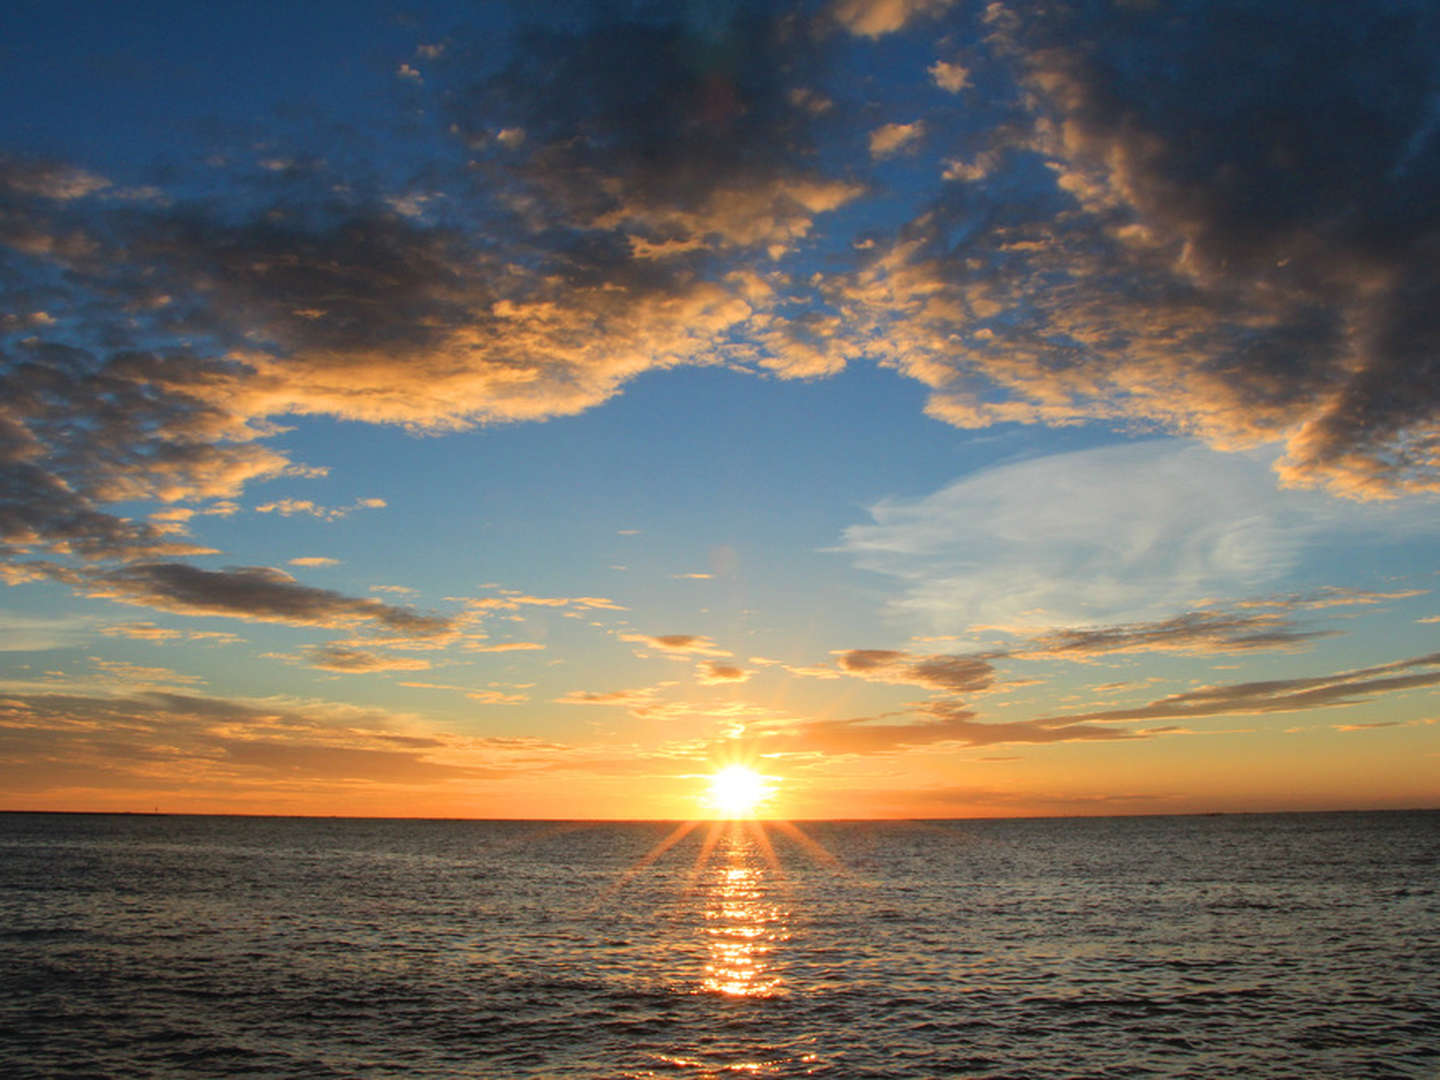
{"x": 737, "y": 791}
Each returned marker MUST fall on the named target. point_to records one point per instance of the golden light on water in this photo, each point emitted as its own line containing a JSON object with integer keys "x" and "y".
{"x": 746, "y": 918}
{"x": 743, "y": 925}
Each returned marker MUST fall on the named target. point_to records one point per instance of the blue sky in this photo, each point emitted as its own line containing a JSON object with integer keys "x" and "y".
{"x": 947, "y": 409}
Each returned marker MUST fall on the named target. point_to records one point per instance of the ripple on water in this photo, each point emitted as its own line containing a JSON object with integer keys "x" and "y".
{"x": 1264, "y": 946}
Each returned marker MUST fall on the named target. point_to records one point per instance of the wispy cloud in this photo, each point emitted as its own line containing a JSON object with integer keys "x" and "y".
{"x": 939, "y": 722}
{"x": 258, "y": 593}
{"x": 291, "y": 507}
{"x": 1119, "y": 534}
{"x": 678, "y": 644}
{"x": 354, "y": 661}
{"x": 1194, "y": 631}
{"x": 1279, "y": 695}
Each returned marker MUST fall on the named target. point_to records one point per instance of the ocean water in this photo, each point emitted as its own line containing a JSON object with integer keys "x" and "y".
{"x": 1255, "y": 946}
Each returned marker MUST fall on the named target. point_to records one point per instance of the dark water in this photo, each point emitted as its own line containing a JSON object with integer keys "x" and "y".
{"x": 1241, "y": 946}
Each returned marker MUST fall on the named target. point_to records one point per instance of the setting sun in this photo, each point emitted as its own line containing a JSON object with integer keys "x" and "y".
{"x": 737, "y": 790}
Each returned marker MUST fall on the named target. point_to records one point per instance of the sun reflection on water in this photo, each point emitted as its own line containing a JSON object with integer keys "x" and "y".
{"x": 743, "y": 924}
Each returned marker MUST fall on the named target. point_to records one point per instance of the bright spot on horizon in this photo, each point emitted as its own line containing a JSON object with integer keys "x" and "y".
{"x": 736, "y": 791}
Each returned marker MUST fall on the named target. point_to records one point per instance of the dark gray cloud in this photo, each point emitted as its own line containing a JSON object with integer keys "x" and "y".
{"x": 1216, "y": 631}
{"x": 261, "y": 593}
{"x": 954, "y": 674}
{"x": 78, "y": 432}
{"x": 1216, "y": 218}
{"x": 663, "y": 134}
{"x": 526, "y": 275}
{"x": 1207, "y": 217}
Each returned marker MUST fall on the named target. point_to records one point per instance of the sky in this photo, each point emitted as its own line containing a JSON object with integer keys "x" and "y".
{"x": 949, "y": 409}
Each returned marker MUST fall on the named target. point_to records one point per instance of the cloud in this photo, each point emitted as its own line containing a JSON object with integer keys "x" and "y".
{"x": 714, "y": 673}
{"x": 697, "y": 148}
{"x": 497, "y": 697}
{"x": 504, "y": 646}
{"x": 1246, "y": 260}
{"x": 1330, "y": 596}
{"x": 21, "y": 632}
{"x": 513, "y": 601}
{"x": 941, "y": 722}
{"x": 125, "y": 672}
{"x": 49, "y": 180}
{"x": 608, "y": 264}
{"x": 487, "y": 696}
{"x": 1278, "y": 695}
{"x": 143, "y": 631}
{"x": 79, "y": 431}
{"x": 291, "y": 507}
{"x": 876, "y": 18}
{"x": 626, "y": 698}
{"x": 1192, "y": 631}
{"x": 1208, "y": 221}
{"x": 218, "y": 747}
{"x": 1121, "y": 534}
{"x": 354, "y": 661}
{"x": 949, "y": 76}
{"x": 953, "y": 674}
{"x": 678, "y": 644}
{"x": 148, "y": 631}
{"x": 891, "y": 139}
{"x": 258, "y": 593}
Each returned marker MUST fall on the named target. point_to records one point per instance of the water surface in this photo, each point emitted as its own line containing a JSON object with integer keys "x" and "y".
{"x": 1263, "y": 946}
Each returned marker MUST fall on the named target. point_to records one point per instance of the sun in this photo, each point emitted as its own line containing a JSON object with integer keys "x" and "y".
{"x": 736, "y": 790}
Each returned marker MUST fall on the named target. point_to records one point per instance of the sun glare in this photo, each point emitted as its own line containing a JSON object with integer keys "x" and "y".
{"x": 736, "y": 791}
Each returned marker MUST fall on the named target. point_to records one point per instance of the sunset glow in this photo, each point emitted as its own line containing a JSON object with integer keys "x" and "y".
{"x": 513, "y": 410}
{"x": 737, "y": 791}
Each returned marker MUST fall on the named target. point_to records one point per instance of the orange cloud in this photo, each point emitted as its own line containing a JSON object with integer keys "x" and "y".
{"x": 678, "y": 644}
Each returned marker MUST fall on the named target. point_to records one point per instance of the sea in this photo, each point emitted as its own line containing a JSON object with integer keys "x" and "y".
{"x": 1234, "y": 946}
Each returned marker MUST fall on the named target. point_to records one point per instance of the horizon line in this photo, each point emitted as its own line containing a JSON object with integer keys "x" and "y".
{"x": 719, "y": 820}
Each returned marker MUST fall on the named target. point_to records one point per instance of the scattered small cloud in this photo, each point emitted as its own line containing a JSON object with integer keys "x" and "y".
{"x": 950, "y": 76}
{"x": 125, "y": 672}
{"x": 876, "y": 18}
{"x": 714, "y": 673}
{"x": 891, "y": 139}
{"x": 678, "y": 644}
{"x": 356, "y": 661}
{"x": 292, "y": 507}
{"x": 624, "y": 698}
